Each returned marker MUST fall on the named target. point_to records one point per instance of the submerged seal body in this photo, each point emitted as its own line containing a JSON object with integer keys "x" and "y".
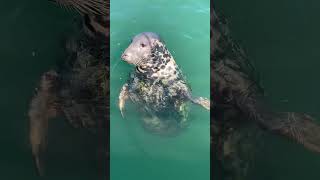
{"x": 157, "y": 85}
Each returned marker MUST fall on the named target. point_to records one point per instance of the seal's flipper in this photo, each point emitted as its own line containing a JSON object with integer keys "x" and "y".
{"x": 204, "y": 102}
{"x": 39, "y": 162}
{"x": 298, "y": 127}
{"x": 43, "y": 107}
{"x": 123, "y": 96}
{"x": 38, "y": 137}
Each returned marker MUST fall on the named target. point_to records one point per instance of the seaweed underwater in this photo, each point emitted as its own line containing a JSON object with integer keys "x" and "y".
{"x": 239, "y": 112}
{"x": 77, "y": 90}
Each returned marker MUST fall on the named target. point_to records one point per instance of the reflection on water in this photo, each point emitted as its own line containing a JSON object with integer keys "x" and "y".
{"x": 185, "y": 30}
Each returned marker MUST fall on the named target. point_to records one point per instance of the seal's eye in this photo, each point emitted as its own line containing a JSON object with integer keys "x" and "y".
{"x": 142, "y": 45}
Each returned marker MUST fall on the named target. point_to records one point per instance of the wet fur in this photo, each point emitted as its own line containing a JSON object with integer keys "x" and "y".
{"x": 166, "y": 87}
{"x": 160, "y": 66}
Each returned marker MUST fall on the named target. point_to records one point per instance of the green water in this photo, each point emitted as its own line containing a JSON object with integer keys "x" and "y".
{"x": 282, "y": 39}
{"x": 136, "y": 154}
{"x": 32, "y": 34}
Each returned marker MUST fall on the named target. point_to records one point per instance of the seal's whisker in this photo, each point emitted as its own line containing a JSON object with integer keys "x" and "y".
{"x": 93, "y": 7}
{"x": 114, "y": 66}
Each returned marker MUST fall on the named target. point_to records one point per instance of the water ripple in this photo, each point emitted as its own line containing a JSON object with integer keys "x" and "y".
{"x": 187, "y": 36}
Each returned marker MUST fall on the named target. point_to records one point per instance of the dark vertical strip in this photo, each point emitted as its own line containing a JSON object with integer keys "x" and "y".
{"x": 107, "y": 122}
{"x": 211, "y": 89}
{"x": 108, "y": 100}
{"x": 103, "y": 126}
{"x": 216, "y": 170}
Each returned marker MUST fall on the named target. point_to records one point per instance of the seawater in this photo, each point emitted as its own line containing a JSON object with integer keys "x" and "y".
{"x": 136, "y": 154}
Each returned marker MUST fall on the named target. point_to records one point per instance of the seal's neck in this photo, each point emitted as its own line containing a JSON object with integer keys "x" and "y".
{"x": 159, "y": 50}
{"x": 160, "y": 64}
{"x": 159, "y": 55}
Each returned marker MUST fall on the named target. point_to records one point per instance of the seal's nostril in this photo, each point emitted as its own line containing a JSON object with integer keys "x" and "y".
{"x": 123, "y": 56}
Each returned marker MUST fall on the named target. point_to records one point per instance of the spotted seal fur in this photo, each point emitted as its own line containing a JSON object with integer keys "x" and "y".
{"x": 157, "y": 85}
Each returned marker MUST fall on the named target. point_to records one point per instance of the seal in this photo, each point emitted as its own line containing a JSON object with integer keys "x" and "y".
{"x": 240, "y": 111}
{"x": 157, "y": 85}
{"x": 77, "y": 89}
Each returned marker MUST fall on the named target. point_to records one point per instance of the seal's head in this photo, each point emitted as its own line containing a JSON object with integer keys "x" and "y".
{"x": 139, "y": 51}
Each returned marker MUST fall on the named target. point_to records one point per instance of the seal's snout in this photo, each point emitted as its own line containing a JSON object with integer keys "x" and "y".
{"x": 124, "y": 56}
